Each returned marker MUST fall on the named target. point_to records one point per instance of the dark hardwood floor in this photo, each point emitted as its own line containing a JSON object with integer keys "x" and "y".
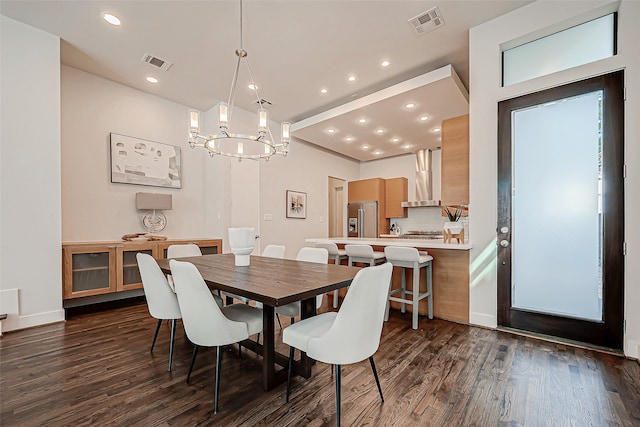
{"x": 96, "y": 369}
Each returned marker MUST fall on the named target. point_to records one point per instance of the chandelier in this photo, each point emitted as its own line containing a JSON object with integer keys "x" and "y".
{"x": 227, "y": 143}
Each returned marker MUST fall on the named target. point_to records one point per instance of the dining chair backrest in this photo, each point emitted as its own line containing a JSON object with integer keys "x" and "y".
{"x": 355, "y": 333}
{"x": 161, "y": 300}
{"x": 204, "y": 322}
{"x": 317, "y": 255}
{"x": 332, "y": 248}
{"x": 273, "y": 251}
{"x": 182, "y": 251}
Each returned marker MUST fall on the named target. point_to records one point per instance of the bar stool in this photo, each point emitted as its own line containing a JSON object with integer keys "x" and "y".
{"x": 406, "y": 257}
{"x": 364, "y": 254}
{"x": 337, "y": 255}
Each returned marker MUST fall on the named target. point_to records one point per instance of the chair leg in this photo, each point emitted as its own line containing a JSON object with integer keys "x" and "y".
{"x": 173, "y": 338}
{"x": 430, "y": 290}
{"x": 375, "y": 375}
{"x": 279, "y": 322}
{"x": 193, "y": 360}
{"x": 404, "y": 289}
{"x": 217, "y": 389}
{"x": 338, "y": 395}
{"x": 332, "y": 370}
{"x": 416, "y": 295}
{"x": 291, "y": 354}
{"x": 336, "y": 294}
{"x": 293, "y": 320}
{"x": 155, "y": 336}
{"x": 240, "y": 351}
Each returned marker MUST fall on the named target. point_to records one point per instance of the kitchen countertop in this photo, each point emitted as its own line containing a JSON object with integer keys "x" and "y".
{"x": 394, "y": 241}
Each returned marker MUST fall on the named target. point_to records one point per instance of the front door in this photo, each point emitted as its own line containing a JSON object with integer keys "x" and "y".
{"x": 561, "y": 211}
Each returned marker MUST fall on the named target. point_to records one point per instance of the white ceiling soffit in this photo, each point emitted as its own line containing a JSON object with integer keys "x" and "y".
{"x": 437, "y": 95}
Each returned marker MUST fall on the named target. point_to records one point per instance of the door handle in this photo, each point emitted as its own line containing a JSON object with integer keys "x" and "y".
{"x": 504, "y": 243}
{"x": 257, "y": 236}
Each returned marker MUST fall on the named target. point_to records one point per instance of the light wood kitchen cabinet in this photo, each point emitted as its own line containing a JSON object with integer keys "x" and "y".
{"x": 455, "y": 161}
{"x": 371, "y": 190}
{"x": 396, "y": 192}
{"x": 95, "y": 268}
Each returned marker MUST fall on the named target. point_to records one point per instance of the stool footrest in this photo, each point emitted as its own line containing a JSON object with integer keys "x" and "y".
{"x": 408, "y": 301}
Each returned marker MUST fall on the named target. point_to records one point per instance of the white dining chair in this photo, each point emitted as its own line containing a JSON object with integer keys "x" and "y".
{"x": 183, "y": 251}
{"x": 273, "y": 251}
{"x": 161, "y": 300}
{"x": 317, "y": 255}
{"x": 350, "y": 335}
{"x": 407, "y": 257}
{"x": 206, "y": 324}
{"x": 337, "y": 255}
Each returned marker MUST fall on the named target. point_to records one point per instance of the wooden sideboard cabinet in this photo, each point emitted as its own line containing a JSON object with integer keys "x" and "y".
{"x": 95, "y": 268}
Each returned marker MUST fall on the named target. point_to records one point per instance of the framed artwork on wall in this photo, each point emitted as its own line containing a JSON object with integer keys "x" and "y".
{"x": 143, "y": 162}
{"x": 296, "y": 204}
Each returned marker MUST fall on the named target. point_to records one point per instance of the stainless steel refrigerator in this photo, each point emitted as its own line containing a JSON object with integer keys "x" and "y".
{"x": 363, "y": 219}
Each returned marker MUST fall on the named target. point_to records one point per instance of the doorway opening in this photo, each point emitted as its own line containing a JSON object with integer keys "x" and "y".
{"x": 336, "y": 207}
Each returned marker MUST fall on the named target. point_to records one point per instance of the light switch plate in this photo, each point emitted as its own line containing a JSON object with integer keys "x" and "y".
{"x": 268, "y": 217}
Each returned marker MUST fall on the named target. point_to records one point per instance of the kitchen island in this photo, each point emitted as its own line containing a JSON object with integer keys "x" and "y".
{"x": 450, "y": 273}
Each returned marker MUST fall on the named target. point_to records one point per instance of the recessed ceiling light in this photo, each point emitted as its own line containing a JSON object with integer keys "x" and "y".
{"x": 435, "y": 130}
{"x": 152, "y": 79}
{"x": 323, "y": 90}
{"x": 351, "y": 78}
{"x": 379, "y": 131}
{"x": 349, "y": 138}
{"x": 362, "y": 120}
{"x": 377, "y": 152}
{"x": 331, "y": 130}
{"x": 424, "y": 118}
{"x": 252, "y": 86}
{"x": 410, "y": 105}
{"x": 365, "y": 147}
{"x": 111, "y": 19}
{"x": 407, "y": 146}
{"x": 385, "y": 63}
{"x": 395, "y": 140}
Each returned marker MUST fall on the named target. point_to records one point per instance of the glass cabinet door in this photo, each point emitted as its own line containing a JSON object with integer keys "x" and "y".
{"x": 89, "y": 271}
{"x": 128, "y": 272}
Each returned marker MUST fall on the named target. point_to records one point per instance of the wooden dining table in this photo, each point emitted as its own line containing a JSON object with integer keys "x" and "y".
{"x": 273, "y": 282}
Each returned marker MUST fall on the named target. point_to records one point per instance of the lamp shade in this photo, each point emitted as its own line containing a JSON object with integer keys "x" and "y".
{"x": 151, "y": 201}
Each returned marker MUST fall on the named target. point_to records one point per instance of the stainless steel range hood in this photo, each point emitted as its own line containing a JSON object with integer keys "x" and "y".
{"x": 424, "y": 181}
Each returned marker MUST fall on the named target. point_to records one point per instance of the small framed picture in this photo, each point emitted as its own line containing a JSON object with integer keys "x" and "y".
{"x": 296, "y": 204}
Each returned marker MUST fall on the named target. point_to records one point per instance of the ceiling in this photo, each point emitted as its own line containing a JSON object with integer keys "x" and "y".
{"x": 295, "y": 48}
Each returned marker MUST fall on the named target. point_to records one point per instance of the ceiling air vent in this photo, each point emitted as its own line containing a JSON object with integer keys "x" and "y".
{"x": 157, "y": 62}
{"x": 426, "y": 21}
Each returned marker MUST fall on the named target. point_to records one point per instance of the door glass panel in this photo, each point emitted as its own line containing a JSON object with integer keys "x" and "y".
{"x": 557, "y": 207}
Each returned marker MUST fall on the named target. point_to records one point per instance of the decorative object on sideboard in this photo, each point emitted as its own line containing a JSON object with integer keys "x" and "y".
{"x": 153, "y": 220}
{"x": 454, "y": 228}
{"x": 241, "y": 242}
{"x": 296, "y": 204}
{"x": 150, "y": 237}
{"x": 236, "y": 145}
{"x": 143, "y": 162}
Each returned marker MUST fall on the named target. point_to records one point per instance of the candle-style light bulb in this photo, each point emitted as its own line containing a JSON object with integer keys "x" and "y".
{"x": 224, "y": 115}
{"x": 264, "y": 116}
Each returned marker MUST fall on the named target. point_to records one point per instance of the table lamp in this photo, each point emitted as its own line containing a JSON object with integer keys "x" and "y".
{"x": 153, "y": 220}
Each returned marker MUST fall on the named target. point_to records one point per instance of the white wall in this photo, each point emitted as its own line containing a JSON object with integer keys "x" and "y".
{"x": 94, "y": 208}
{"x": 29, "y": 176}
{"x": 306, "y": 169}
{"x": 484, "y": 55}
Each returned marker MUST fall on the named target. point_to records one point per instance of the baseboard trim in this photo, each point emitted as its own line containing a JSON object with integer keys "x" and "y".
{"x": 17, "y": 322}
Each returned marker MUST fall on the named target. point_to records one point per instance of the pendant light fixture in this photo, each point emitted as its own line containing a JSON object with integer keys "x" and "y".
{"x": 240, "y": 146}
